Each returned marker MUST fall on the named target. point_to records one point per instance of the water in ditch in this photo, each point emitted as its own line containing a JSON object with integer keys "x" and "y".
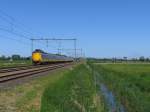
{"x": 112, "y": 104}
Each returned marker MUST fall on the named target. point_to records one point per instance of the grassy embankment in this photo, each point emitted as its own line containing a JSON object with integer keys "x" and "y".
{"x": 129, "y": 82}
{"x": 27, "y": 97}
{"x": 74, "y": 92}
{"x": 7, "y": 63}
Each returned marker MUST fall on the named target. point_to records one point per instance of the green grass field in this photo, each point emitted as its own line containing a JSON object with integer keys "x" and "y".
{"x": 75, "y": 92}
{"x": 129, "y": 82}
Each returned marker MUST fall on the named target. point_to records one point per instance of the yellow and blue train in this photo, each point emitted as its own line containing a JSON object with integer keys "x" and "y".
{"x": 40, "y": 57}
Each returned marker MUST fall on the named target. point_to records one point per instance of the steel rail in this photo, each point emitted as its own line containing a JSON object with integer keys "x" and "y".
{"x": 5, "y": 70}
{"x": 2, "y": 70}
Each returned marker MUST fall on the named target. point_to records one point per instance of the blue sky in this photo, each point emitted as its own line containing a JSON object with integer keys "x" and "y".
{"x": 104, "y": 28}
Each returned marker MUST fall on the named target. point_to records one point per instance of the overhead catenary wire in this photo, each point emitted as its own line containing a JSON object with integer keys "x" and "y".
{"x": 15, "y": 33}
{"x": 57, "y": 39}
{"x": 15, "y": 28}
{"x": 19, "y": 41}
{"x": 12, "y": 20}
{"x": 14, "y": 24}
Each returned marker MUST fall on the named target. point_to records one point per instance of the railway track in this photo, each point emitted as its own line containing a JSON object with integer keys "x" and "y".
{"x": 24, "y": 72}
{"x": 11, "y": 69}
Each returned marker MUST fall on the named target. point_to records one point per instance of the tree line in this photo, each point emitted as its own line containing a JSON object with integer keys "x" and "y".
{"x": 14, "y": 57}
{"x": 119, "y": 60}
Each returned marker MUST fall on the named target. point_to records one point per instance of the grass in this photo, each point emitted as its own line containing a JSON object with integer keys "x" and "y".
{"x": 7, "y": 63}
{"x": 74, "y": 92}
{"x": 129, "y": 82}
{"x": 27, "y": 97}
{"x": 68, "y": 90}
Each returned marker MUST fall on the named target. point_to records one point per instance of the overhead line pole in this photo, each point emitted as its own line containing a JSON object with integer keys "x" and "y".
{"x": 75, "y": 48}
{"x": 31, "y": 48}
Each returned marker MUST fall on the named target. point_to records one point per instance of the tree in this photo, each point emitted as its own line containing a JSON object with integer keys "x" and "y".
{"x": 142, "y": 58}
{"x": 147, "y": 59}
{"x": 125, "y": 59}
{"x": 3, "y": 57}
{"x": 16, "y": 57}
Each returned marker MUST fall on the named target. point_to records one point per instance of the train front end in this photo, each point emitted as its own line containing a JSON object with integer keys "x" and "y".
{"x": 36, "y": 58}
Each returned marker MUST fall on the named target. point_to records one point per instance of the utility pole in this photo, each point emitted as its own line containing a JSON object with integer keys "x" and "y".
{"x": 31, "y": 45}
{"x": 59, "y": 48}
{"x": 47, "y": 43}
{"x": 75, "y": 48}
{"x": 31, "y": 48}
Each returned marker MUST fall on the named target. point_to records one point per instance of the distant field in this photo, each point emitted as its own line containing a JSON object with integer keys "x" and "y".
{"x": 7, "y": 63}
{"x": 129, "y": 82}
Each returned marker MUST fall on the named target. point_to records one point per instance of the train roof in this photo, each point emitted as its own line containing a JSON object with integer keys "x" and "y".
{"x": 41, "y": 51}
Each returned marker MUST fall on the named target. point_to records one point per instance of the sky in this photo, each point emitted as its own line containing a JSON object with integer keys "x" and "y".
{"x": 103, "y": 28}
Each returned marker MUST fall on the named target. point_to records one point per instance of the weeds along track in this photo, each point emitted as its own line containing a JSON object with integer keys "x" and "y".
{"x": 25, "y": 72}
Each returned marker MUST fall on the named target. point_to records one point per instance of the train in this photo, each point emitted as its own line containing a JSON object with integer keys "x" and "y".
{"x": 40, "y": 57}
